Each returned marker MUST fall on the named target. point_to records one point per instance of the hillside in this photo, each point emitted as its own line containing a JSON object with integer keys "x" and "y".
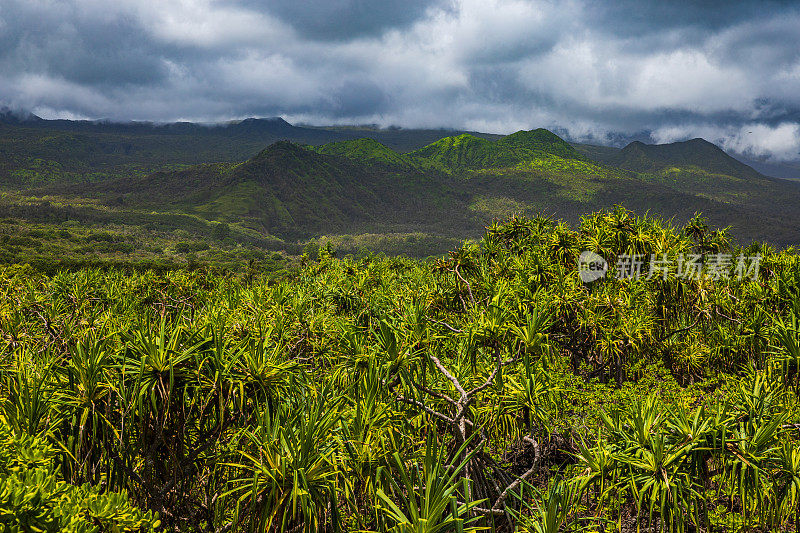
{"x": 653, "y": 158}
{"x": 367, "y": 151}
{"x": 34, "y": 151}
{"x": 293, "y": 191}
{"x": 703, "y": 170}
{"x": 470, "y": 152}
{"x": 361, "y": 194}
{"x": 697, "y": 153}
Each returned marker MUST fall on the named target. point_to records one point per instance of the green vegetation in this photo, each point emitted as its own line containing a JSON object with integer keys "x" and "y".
{"x": 490, "y": 390}
{"x": 37, "y": 152}
{"x": 463, "y": 152}
{"x": 697, "y": 153}
{"x": 33, "y": 497}
{"x": 467, "y": 151}
{"x": 367, "y": 151}
{"x": 142, "y": 184}
{"x": 159, "y": 242}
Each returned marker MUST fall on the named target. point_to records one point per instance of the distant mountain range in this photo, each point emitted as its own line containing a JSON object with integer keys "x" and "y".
{"x": 312, "y": 181}
{"x": 789, "y": 170}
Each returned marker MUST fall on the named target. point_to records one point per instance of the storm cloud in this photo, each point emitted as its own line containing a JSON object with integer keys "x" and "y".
{"x": 727, "y": 71}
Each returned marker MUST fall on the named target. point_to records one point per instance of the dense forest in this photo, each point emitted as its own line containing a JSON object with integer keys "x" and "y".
{"x": 488, "y": 390}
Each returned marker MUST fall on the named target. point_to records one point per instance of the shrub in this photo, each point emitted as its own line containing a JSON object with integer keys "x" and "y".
{"x": 100, "y": 237}
{"x": 222, "y": 231}
{"x": 32, "y": 498}
{"x": 183, "y": 247}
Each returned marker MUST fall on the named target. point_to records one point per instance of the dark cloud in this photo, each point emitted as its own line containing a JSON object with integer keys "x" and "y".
{"x": 359, "y": 98}
{"x": 348, "y": 19}
{"x": 80, "y": 48}
{"x": 595, "y": 70}
{"x": 645, "y": 17}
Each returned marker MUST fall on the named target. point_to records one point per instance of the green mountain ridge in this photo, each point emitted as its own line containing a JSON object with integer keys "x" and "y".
{"x": 448, "y": 189}
{"x": 365, "y": 150}
{"x": 35, "y": 151}
{"x": 698, "y": 153}
{"x": 294, "y": 191}
{"x": 460, "y": 152}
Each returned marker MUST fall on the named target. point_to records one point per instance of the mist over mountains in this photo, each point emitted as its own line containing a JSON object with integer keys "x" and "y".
{"x": 265, "y": 130}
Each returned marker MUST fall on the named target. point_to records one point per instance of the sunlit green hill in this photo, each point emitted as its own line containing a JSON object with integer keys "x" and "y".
{"x": 471, "y": 152}
{"x": 360, "y": 192}
{"x": 458, "y": 184}
{"x": 293, "y": 191}
{"x": 367, "y": 151}
{"x": 460, "y": 152}
{"x": 540, "y": 141}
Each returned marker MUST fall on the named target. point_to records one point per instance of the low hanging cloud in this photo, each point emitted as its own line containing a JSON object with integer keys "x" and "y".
{"x": 726, "y": 71}
{"x": 755, "y": 140}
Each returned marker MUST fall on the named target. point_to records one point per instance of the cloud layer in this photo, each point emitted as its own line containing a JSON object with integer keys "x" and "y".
{"x": 726, "y": 71}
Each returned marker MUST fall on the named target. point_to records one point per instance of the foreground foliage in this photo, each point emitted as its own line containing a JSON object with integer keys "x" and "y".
{"x": 492, "y": 390}
{"x": 33, "y": 498}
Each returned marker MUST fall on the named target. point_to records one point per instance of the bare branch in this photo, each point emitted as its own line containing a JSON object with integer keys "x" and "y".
{"x": 448, "y": 375}
{"x": 491, "y": 377}
{"x": 445, "y": 324}
{"x": 425, "y": 408}
{"x": 534, "y": 467}
{"x": 469, "y": 287}
{"x": 433, "y": 393}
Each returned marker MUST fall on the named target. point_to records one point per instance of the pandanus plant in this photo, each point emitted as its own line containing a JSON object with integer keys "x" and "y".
{"x": 786, "y": 488}
{"x": 90, "y": 400}
{"x": 429, "y": 495}
{"x": 787, "y": 349}
{"x": 285, "y": 468}
{"x": 752, "y": 441}
{"x": 28, "y": 403}
{"x": 553, "y": 510}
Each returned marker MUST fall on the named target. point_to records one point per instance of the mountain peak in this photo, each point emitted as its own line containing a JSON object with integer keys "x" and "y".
{"x": 540, "y": 140}
{"x": 365, "y": 150}
{"x": 278, "y": 149}
{"x": 697, "y": 152}
{"x": 269, "y": 120}
{"x": 539, "y": 135}
{"x": 458, "y": 152}
{"x": 16, "y": 116}
{"x": 468, "y": 151}
{"x": 272, "y": 125}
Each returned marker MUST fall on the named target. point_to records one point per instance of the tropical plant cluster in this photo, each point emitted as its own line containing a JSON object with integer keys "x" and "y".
{"x": 491, "y": 390}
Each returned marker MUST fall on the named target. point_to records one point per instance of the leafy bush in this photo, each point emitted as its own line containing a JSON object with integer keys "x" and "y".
{"x": 103, "y": 236}
{"x": 184, "y": 247}
{"x": 32, "y": 498}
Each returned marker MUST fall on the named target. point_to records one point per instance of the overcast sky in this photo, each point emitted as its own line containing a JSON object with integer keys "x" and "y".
{"x": 723, "y": 70}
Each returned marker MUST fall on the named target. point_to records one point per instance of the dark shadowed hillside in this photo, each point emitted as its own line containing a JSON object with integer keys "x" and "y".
{"x": 448, "y": 189}
{"x": 34, "y": 151}
{"x": 698, "y": 153}
{"x": 292, "y": 191}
